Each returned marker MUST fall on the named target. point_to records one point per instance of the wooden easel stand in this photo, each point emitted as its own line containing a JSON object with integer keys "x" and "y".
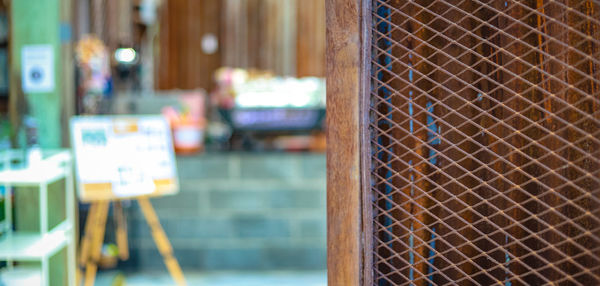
{"x": 95, "y": 226}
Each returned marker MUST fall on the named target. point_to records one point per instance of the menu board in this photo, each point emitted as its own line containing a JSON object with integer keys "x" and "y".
{"x": 119, "y": 157}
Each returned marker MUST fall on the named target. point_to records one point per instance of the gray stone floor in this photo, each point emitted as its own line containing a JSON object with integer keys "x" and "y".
{"x": 279, "y": 278}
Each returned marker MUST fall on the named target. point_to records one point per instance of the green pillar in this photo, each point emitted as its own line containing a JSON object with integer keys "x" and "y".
{"x": 35, "y": 22}
{"x": 38, "y": 22}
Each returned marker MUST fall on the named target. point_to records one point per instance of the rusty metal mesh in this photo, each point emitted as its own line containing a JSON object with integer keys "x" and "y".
{"x": 485, "y": 142}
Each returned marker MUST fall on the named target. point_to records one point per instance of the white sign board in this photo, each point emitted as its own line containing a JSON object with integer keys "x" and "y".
{"x": 123, "y": 157}
{"x": 37, "y": 66}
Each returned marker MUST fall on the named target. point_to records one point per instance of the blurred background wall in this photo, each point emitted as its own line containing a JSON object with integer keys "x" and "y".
{"x": 286, "y": 37}
{"x": 236, "y": 210}
{"x": 252, "y": 197}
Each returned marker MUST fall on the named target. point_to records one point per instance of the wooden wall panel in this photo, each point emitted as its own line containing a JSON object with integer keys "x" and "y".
{"x": 286, "y": 37}
{"x": 231, "y": 32}
{"x": 310, "y": 44}
{"x": 260, "y": 34}
{"x": 181, "y": 63}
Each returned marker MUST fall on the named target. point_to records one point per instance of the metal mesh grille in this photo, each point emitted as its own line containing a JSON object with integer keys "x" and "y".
{"x": 485, "y": 142}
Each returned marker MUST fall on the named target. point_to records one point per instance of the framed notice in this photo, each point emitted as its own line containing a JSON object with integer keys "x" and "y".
{"x": 38, "y": 68}
{"x": 119, "y": 157}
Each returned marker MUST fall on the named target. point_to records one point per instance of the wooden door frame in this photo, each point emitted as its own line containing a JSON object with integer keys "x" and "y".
{"x": 348, "y": 71}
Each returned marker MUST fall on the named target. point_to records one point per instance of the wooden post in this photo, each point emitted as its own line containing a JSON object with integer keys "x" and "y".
{"x": 95, "y": 226}
{"x": 344, "y": 93}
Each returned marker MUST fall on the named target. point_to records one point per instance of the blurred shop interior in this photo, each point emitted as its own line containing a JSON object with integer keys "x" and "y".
{"x": 241, "y": 84}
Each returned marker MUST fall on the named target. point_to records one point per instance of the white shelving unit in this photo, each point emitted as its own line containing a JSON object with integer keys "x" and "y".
{"x": 39, "y": 246}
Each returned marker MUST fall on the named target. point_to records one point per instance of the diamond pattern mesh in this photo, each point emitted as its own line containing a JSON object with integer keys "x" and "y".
{"x": 485, "y": 142}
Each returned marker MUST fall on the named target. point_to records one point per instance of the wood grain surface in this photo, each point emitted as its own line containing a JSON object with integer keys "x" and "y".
{"x": 343, "y": 52}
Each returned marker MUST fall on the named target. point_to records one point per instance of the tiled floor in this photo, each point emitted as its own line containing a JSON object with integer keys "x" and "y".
{"x": 283, "y": 278}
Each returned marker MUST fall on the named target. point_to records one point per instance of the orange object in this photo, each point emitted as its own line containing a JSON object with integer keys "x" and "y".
{"x": 188, "y": 123}
{"x": 188, "y": 136}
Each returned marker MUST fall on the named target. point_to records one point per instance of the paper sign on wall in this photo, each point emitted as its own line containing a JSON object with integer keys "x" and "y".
{"x": 123, "y": 157}
{"x": 37, "y": 66}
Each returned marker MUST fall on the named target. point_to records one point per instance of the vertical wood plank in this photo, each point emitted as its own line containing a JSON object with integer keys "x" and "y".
{"x": 163, "y": 40}
{"x": 212, "y": 25}
{"x": 310, "y": 42}
{"x": 343, "y": 151}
